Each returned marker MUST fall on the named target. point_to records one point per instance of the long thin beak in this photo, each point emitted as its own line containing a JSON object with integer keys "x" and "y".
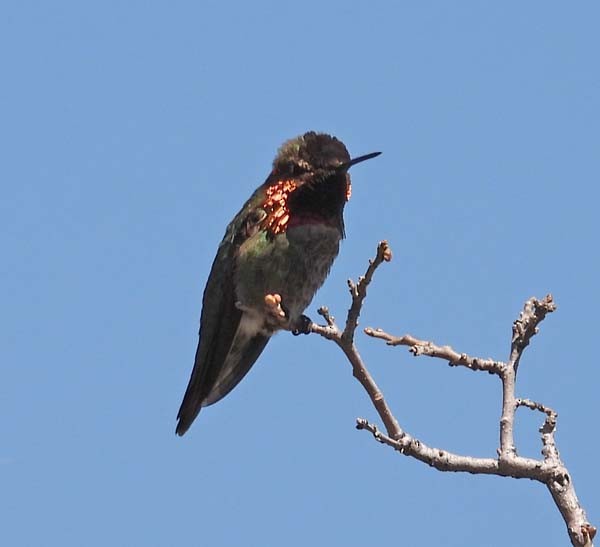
{"x": 354, "y": 161}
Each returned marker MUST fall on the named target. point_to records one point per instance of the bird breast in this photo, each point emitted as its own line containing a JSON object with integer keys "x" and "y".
{"x": 293, "y": 264}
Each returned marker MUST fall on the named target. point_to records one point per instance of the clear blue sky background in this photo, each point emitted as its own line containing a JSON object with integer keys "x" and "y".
{"x": 131, "y": 132}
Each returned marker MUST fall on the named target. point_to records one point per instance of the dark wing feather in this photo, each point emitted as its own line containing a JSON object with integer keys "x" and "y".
{"x": 244, "y": 353}
{"x": 218, "y": 324}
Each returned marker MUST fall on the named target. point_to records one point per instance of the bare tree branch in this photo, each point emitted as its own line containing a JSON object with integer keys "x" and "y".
{"x": 550, "y": 470}
{"x": 422, "y": 347}
{"x": 358, "y": 291}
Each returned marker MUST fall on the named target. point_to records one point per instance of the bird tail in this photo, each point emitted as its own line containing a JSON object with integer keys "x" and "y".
{"x": 211, "y": 381}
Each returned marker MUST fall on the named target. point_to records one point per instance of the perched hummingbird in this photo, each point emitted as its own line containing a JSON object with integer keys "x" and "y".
{"x": 276, "y": 253}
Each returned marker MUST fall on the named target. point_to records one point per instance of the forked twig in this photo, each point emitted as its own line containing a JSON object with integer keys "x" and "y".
{"x": 550, "y": 470}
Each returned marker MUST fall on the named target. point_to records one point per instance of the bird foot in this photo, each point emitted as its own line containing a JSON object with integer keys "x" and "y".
{"x": 302, "y": 326}
{"x": 273, "y": 305}
{"x": 275, "y": 309}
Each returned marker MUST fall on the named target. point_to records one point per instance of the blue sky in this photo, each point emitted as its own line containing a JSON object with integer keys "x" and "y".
{"x": 132, "y": 132}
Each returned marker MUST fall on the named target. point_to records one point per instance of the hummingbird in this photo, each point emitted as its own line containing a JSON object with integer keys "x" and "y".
{"x": 276, "y": 253}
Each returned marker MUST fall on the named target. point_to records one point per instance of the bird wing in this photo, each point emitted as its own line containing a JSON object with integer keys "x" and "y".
{"x": 228, "y": 346}
{"x": 248, "y": 343}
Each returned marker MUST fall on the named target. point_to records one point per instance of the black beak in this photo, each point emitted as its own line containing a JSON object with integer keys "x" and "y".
{"x": 354, "y": 161}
